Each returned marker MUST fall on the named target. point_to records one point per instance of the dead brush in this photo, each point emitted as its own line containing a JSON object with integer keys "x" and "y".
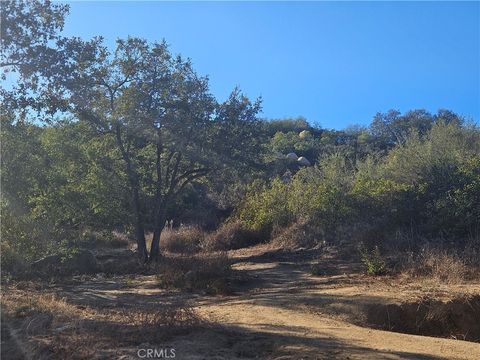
{"x": 52, "y": 325}
{"x": 231, "y": 236}
{"x": 204, "y": 272}
{"x": 298, "y": 235}
{"x": 437, "y": 264}
{"x": 184, "y": 240}
{"x": 42, "y": 313}
{"x": 152, "y": 323}
{"x": 175, "y": 315}
{"x": 40, "y": 303}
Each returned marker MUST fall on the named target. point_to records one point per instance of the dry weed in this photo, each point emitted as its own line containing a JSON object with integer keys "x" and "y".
{"x": 438, "y": 264}
{"x": 184, "y": 240}
{"x": 51, "y": 325}
{"x": 231, "y": 236}
{"x": 297, "y": 235}
{"x": 207, "y": 272}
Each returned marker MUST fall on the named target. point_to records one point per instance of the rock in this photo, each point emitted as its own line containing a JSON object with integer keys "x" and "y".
{"x": 292, "y": 156}
{"x": 304, "y": 134}
{"x": 303, "y": 161}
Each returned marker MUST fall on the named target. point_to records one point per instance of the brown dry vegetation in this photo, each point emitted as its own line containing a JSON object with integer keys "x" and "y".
{"x": 52, "y": 327}
{"x": 205, "y": 272}
{"x": 186, "y": 239}
{"x": 233, "y": 235}
{"x": 440, "y": 265}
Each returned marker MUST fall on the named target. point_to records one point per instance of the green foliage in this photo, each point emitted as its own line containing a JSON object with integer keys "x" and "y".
{"x": 144, "y": 122}
{"x": 291, "y": 142}
{"x": 374, "y": 262}
{"x": 426, "y": 185}
{"x": 438, "y": 169}
{"x": 266, "y": 206}
{"x": 287, "y": 125}
{"x": 312, "y": 195}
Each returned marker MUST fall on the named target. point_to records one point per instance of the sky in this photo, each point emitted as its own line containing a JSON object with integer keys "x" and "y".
{"x": 335, "y": 63}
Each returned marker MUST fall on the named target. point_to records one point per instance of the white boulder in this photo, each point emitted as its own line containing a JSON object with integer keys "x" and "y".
{"x": 303, "y": 134}
{"x": 303, "y": 161}
{"x": 292, "y": 156}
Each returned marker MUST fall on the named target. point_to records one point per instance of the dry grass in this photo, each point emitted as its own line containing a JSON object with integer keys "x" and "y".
{"x": 205, "y": 272}
{"x": 184, "y": 240}
{"x": 231, "y": 236}
{"x": 40, "y": 314}
{"x": 48, "y": 325}
{"x": 439, "y": 265}
{"x": 297, "y": 235}
{"x": 167, "y": 316}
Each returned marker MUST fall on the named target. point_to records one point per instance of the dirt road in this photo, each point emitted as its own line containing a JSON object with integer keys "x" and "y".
{"x": 295, "y": 309}
{"x": 277, "y": 311}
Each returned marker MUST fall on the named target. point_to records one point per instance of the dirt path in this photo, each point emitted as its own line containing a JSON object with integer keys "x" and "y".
{"x": 289, "y": 309}
{"x": 278, "y": 312}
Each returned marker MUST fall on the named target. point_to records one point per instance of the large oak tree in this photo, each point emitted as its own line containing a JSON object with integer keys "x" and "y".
{"x": 169, "y": 130}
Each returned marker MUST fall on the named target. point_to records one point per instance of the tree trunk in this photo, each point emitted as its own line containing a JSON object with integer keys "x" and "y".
{"x": 141, "y": 243}
{"x": 155, "y": 246}
{"x": 137, "y": 207}
{"x": 139, "y": 228}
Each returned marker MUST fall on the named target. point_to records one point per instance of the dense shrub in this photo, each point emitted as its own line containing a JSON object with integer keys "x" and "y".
{"x": 266, "y": 206}
{"x": 440, "y": 171}
{"x": 25, "y": 238}
{"x": 313, "y": 195}
{"x": 426, "y": 186}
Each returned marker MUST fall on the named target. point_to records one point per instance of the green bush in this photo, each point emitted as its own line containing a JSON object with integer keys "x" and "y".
{"x": 312, "y": 196}
{"x": 265, "y": 207}
{"x": 374, "y": 262}
{"x": 25, "y": 237}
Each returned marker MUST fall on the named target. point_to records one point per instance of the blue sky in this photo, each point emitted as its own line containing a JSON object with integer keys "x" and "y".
{"x": 336, "y": 63}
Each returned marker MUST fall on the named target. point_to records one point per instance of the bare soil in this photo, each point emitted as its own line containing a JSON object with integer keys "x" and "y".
{"x": 277, "y": 310}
